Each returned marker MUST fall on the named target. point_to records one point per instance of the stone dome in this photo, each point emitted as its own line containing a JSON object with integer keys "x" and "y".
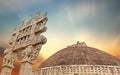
{"x": 80, "y": 54}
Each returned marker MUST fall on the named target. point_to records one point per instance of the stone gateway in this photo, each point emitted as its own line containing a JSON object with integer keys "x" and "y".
{"x": 28, "y": 40}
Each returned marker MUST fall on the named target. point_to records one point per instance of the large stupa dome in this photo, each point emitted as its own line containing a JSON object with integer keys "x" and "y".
{"x": 79, "y": 59}
{"x": 80, "y": 54}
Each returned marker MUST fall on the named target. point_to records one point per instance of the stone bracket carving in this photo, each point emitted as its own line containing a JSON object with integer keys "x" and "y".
{"x": 9, "y": 58}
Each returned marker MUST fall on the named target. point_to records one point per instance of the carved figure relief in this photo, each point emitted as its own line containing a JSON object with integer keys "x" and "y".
{"x": 26, "y": 53}
{"x": 9, "y": 58}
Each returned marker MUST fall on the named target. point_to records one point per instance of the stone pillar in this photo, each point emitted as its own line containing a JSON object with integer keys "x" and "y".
{"x": 6, "y": 70}
{"x": 26, "y": 68}
{"x": 29, "y": 55}
{"x": 8, "y": 61}
{"x": 26, "y": 63}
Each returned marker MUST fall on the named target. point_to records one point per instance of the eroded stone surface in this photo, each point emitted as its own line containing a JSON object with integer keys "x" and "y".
{"x": 28, "y": 40}
{"x": 80, "y": 54}
{"x": 79, "y": 59}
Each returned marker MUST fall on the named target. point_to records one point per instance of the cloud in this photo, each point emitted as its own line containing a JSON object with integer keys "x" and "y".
{"x": 95, "y": 16}
{"x": 11, "y": 5}
{"x": 83, "y": 10}
{"x": 20, "y": 5}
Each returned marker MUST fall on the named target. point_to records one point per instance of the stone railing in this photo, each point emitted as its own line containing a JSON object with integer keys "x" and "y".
{"x": 79, "y": 69}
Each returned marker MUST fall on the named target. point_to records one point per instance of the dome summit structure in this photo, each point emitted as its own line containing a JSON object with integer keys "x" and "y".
{"x": 79, "y": 59}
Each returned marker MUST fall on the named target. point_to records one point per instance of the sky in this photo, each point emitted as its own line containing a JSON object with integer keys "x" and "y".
{"x": 96, "y": 22}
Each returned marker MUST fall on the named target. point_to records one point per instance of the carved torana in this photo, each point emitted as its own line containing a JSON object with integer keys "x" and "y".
{"x": 28, "y": 40}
